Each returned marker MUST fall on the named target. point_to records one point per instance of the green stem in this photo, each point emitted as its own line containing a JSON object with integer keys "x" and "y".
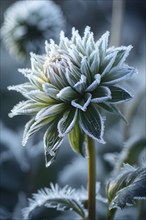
{"x": 91, "y": 179}
{"x": 111, "y": 214}
{"x": 140, "y": 209}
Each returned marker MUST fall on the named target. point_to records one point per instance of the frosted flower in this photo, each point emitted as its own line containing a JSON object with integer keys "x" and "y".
{"x": 69, "y": 86}
{"x": 28, "y": 24}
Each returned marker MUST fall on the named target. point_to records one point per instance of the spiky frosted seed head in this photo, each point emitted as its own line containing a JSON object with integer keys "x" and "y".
{"x": 69, "y": 86}
{"x": 27, "y": 24}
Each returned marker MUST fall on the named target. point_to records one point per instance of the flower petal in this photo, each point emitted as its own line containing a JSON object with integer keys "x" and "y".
{"x": 66, "y": 124}
{"x": 94, "y": 61}
{"x": 73, "y": 75}
{"x": 108, "y": 63}
{"x": 22, "y": 88}
{"x": 119, "y": 95}
{"x": 33, "y": 126}
{"x": 26, "y": 134}
{"x": 36, "y": 80}
{"x": 82, "y": 103}
{"x": 77, "y": 138}
{"x": 55, "y": 79}
{"x": 51, "y": 110}
{"x": 122, "y": 54}
{"x": 102, "y": 44}
{"x": 39, "y": 96}
{"x": 52, "y": 142}
{"x": 92, "y": 123}
{"x": 101, "y": 94}
{"x": 118, "y": 74}
{"x": 67, "y": 94}
{"x": 85, "y": 69}
{"x": 50, "y": 90}
{"x": 94, "y": 84}
{"x": 25, "y": 108}
{"x": 80, "y": 86}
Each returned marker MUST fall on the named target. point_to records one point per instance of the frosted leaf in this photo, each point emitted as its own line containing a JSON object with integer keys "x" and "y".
{"x": 123, "y": 189}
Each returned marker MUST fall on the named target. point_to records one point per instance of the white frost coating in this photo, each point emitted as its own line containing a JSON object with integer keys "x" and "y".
{"x": 84, "y": 107}
{"x": 65, "y": 198}
{"x": 124, "y": 100}
{"x": 80, "y": 85}
{"x": 125, "y": 54}
{"x": 111, "y": 59}
{"x": 94, "y": 84}
{"x": 100, "y": 139}
{"x": 103, "y": 43}
{"x": 123, "y": 73}
{"x": 69, "y": 128}
{"x": 51, "y": 110}
{"x": 104, "y": 98}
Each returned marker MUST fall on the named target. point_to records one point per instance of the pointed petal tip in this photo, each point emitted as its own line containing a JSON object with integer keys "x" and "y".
{"x": 10, "y": 88}
{"x": 11, "y": 115}
{"x": 24, "y": 141}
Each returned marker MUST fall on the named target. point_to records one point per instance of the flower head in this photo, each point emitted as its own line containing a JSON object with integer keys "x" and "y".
{"x": 68, "y": 87}
{"x": 28, "y": 24}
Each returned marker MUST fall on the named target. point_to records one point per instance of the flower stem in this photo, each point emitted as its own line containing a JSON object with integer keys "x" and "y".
{"x": 140, "y": 209}
{"x": 111, "y": 214}
{"x": 91, "y": 179}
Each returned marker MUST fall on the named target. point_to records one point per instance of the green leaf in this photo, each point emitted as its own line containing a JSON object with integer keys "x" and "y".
{"x": 126, "y": 187}
{"x": 67, "y": 122}
{"x": 119, "y": 95}
{"x": 77, "y": 138}
{"x": 52, "y": 142}
{"x": 92, "y": 123}
{"x": 61, "y": 199}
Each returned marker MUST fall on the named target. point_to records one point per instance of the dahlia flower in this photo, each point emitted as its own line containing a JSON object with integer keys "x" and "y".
{"x": 69, "y": 86}
{"x": 28, "y": 24}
